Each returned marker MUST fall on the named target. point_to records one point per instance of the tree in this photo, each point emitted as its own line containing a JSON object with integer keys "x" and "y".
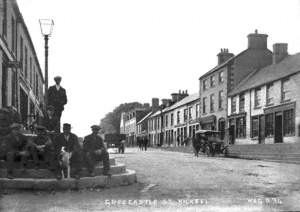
{"x": 111, "y": 122}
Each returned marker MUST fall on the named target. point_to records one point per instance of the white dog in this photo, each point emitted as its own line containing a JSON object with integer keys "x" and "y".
{"x": 65, "y": 161}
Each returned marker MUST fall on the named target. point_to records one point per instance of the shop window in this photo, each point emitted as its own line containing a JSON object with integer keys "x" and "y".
{"x": 289, "y": 122}
{"x": 269, "y": 125}
{"x": 255, "y": 127}
{"x": 241, "y": 127}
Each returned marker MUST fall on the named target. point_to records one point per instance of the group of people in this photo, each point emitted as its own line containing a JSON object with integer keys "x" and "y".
{"x": 142, "y": 143}
{"x": 46, "y": 147}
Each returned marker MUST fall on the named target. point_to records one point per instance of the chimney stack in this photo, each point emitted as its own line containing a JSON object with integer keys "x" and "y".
{"x": 155, "y": 104}
{"x": 224, "y": 55}
{"x": 257, "y": 41}
{"x": 280, "y": 51}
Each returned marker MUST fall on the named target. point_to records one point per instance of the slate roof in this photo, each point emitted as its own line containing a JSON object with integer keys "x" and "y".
{"x": 184, "y": 101}
{"x": 146, "y": 116}
{"x": 288, "y": 66}
{"x": 222, "y": 64}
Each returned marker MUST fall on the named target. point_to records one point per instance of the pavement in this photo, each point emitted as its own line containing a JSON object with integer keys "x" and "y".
{"x": 177, "y": 181}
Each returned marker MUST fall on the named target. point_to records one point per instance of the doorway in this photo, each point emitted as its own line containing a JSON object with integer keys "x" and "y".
{"x": 221, "y": 127}
{"x": 23, "y": 106}
{"x": 278, "y": 128}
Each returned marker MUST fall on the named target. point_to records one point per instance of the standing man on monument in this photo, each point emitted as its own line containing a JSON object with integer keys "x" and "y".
{"x": 57, "y": 97}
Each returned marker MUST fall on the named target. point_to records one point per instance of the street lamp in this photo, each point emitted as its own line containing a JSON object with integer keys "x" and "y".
{"x": 46, "y": 29}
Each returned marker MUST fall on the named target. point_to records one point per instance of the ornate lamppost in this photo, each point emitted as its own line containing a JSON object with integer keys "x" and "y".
{"x": 46, "y": 29}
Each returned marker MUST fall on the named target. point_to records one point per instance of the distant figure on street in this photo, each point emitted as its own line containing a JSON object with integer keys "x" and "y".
{"x": 94, "y": 151}
{"x": 178, "y": 140}
{"x": 196, "y": 145}
{"x": 57, "y": 97}
{"x": 122, "y": 146}
{"x": 145, "y": 143}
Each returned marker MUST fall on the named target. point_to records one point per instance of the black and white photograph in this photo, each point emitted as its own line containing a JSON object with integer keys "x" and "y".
{"x": 149, "y": 105}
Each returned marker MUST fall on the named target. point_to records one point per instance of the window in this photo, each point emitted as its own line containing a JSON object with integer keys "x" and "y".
{"x": 221, "y": 99}
{"x": 178, "y": 117}
{"x": 190, "y": 113}
{"x": 197, "y": 110}
{"x": 212, "y": 102}
{"x": 13, "y": 34}
{"x": 257, "y": 101}
{"x": 30, "y": 71}
{"x": 26, "y": 62}
{"x": 242, "y": 103}
{"x": 221, "y": 77}
{"x": 212, "y": 81}
{"x": 233, "y": 104}
{"x": 241, "y": 127}
{"x": 205, "y": 85}
{"x": 166, "y": 121}
{"x": 255, "y": 127}
{"x": 285, "y": 92}
{"x": 22, "y": 53}
{"x": 4, "y": 21}
{"x": 289, "y": 122}
{"x": 204, "y": 104}
{"x": 270, "y": 94}
{"x": 269, "y": 125}
{"x": 172, "y": 119}
{"x": 185, "y": 114}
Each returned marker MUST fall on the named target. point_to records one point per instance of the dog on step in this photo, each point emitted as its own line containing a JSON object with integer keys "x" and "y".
{"x": 65, "y": 162}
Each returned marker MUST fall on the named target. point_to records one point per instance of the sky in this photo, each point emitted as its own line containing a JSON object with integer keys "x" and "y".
{"x": 115, "y": 51}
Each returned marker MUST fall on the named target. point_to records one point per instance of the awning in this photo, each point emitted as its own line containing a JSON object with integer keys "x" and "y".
{"x": 208, "y": 119}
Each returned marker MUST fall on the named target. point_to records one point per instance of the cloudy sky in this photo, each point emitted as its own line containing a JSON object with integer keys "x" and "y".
{"x": 114, "y": 51}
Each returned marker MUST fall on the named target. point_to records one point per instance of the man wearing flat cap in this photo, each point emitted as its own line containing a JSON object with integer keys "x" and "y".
{"x": 17, "y": 149}
{"x": 70, "y": 143}
{"x": 57, "y": 97}
{"x": 51, "y": 122}
{"x": 94, "y": 151}
{"x": 43, "y": 148}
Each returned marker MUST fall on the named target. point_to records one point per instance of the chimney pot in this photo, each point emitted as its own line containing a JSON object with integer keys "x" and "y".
{"x": 257, "y": 41}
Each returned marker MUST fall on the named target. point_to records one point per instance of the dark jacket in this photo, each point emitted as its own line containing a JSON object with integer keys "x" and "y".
{"x": 92, "y": 143}
{"x": 57, "y": 98}
{"x": 71, "y": 145}
{"x": 51, "y": 124}
{"x": 15, "y": 143}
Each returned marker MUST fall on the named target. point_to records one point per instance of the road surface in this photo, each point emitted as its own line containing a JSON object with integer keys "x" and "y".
{"x": 173, "y": 181}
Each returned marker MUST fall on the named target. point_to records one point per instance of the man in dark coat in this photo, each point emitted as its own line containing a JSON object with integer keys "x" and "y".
{"x": 57, "y": 97}
{"x": 145, "y": 142}
{"x": 43, "y": 149}
{"x": 51, "y": 122}
{"x": 70, "y": 143}
{"x": 16, "y": 147}
{"x": 94, "y": 150}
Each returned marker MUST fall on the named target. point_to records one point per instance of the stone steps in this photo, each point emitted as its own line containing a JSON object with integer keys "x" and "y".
{"x": 126, "y": 178}
{"x": 47, "y": 174}
{"x": 31, "y": 165}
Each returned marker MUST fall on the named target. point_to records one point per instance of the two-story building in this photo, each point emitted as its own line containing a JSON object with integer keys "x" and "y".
{"x": 216, "y": 83}
{"x": 21, "y": 84}
{"x": 181, "y": 120}
{"x": 265, "y": 106}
